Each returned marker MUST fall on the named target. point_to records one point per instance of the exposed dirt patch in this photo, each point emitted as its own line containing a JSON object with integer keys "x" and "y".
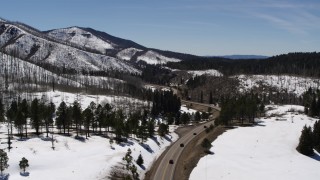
{"x": 193, "y": 152}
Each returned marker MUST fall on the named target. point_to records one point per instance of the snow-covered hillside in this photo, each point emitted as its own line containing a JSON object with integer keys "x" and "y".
{"x": 33, "y": 48}
{"x": 128, "y": 53}
{"x": 152, "y": 57}
{"x": 284, "y": 83}
{"x": 83, "y": 38}
{"x": 209, "y": 72}
{"x": 266, "y": 151}
{"x": 24, "y": 74}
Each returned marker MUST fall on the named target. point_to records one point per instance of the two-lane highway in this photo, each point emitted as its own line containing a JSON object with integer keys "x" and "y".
{"x": 165, "y": 169}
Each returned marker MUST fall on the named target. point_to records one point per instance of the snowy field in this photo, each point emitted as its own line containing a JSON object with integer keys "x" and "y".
{"x": 85, "y": 99}
{"x": 284, "y": 83}
{"x": 209, "y": 72}
{"x": 73, "y": 159}
{"x": 267, "y": 151}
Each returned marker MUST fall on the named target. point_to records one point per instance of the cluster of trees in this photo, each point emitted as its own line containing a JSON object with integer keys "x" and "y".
{"x": 93, "y": 119}
{"x": 165, "y": 102}
{"x": 156, "y": 74}
{"x": 40, "y": 114}
{"x": 309, "y": 139}
{"x": 244, "y": 107}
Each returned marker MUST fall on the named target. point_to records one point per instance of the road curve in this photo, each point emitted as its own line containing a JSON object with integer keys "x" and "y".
{"x": 166, "y": 170}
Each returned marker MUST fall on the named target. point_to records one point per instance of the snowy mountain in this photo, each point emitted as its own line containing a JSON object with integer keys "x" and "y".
{"x": 83, "y": 38}
{"x": 35, "y": 48}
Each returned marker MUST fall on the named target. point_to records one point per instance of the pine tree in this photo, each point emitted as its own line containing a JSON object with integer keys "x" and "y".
{"x": 210, "y": 98}
{"x": 77, "y": 116}
{"x": 316, "y": 135}
{"x": 206, "y": 144}
{"x": 1, "y": 111}
{"x": 35, "y": 115}
{"x": 3, "y": 161}
{"x": 88, "y": 117}
{"x": 140, "y": 160}
{"x": 305, "y": 142}
{"x": 197, "y": 116}
{"x": 24, "y": 164}
{"x": 163, "y": 129}
{"x": 24, "y": 108}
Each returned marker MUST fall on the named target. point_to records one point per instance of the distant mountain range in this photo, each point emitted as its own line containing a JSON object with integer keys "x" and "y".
{"x": 234, "y": 57}
{"x": 245, "y": 57}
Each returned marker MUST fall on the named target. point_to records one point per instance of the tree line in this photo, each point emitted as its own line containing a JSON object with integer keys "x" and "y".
{"x": 243, "y": 108}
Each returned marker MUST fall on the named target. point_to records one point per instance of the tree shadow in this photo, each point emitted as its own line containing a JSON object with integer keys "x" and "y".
{"x": 166, "y": 137}
{"x": 24, "y": 174}
{"x": 4, "y": 176}
{"x": 143, "y": 167}
{"x": 316, "y": 156}
{"x": 155, "y": 139}
{"x": 147, "y": 147}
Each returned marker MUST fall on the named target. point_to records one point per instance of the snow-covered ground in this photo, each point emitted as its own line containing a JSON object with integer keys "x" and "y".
{"x": 152, "y": 57}
{"x": 284, "y": 83}
{"x": 73, "y": 159}
{"x": 81, "y": 37}
{"x": 85, "y": 99}
{"x": 209, "y": 72}
{"x": 266, "y": 151}
{"x": 128, "y": 53}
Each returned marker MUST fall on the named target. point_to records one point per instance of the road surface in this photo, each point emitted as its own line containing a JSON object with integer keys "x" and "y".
{"x": 166, "y": 170}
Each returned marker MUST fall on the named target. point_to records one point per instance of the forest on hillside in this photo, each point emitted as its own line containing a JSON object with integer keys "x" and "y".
{"x": 302, "y": 64}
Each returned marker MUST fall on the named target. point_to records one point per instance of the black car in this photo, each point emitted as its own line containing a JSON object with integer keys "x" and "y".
{"x": 171, "y": 161}
{"x": 205, "y": 126}
{"x": 181, "y": 145}
{"x": 194, "y": 133}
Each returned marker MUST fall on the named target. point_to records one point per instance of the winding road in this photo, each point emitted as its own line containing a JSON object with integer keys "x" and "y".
{"x": 166, "y": 170}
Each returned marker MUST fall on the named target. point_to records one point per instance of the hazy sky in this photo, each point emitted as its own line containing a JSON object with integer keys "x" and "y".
{"x": 202, "y": 27}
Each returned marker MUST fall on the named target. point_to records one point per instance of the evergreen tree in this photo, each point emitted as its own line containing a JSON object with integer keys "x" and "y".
{"x": 77, "y": 116}
{"x": 184, "y": 118}
{"x": 129, "y": 165}
{"x": 35, "y": 115}
{"x": 2, "y": 110}
{"x": 140, "y": 160}
{"x": 24, "y": 108}
{"x": 316, "y": 135}
{"x": 206, "y": 144}
{"x": 197, "y": 116}
{"x": 210, "y": 98}
{"x": 3, "y": 161}
{"x": 24, "y": 164}
{"x": 151, "y": 128}
{"x": 305, "y": 142}
{"x": 12, "y": 113}
{"x": 61, "y": 116}
{"x": 163, "y": 129}
{"x": 88, "y": 117}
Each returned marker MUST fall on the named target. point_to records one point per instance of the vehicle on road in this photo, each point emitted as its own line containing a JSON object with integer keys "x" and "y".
{"x": 195, "y": 133}
{"x": 171, "y": 161}
{"x": 181, "y": 145}
{"x": 205, "y": 126}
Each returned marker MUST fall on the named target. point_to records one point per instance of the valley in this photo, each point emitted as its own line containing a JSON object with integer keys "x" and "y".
{"x": 79, "y": 103}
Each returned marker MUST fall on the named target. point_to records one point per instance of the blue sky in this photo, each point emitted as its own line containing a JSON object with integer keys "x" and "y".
{"x": 201, "y": 27}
